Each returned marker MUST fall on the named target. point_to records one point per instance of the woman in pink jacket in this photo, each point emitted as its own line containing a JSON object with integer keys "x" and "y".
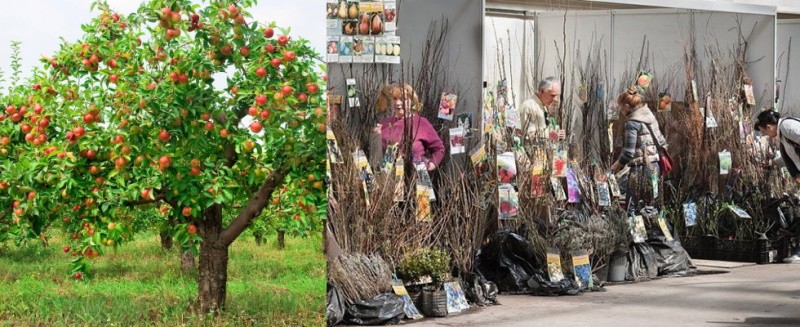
{"x": 427, "y": 147}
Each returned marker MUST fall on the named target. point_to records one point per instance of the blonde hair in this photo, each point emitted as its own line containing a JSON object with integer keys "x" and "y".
{"x": 397, "y": 91}
{"x": 631, "y": 98}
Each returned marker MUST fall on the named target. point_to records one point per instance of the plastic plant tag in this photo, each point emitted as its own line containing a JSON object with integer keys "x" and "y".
{"x": 724, "y": 162}
{"x": 638, "y": 231}
{"x": 583, "y": 269}
{"x": 352, "y": 98}
{"x": 456, "y": 301}
{"x": 560, "y": 162}
{"x": 506, "y": 168}
{"x": 423, "y": 204}
{"x": 508, "y": 206}
{"x": 333, "y": 147}
{"x": 739, "y": 211}
{"x": 554, "y": 265}
{"x": 424, "y": 180}
{"x": 558, "y": 190}
{"x": 447, "y": 106}
{"x": 603, "y": 195}
{"x": 456, "y": 140}
{"x": 613, "y": 185}
{"x": 409, "y": 308}
{"x": 573, "y": 190}
{"x": 690, "y": 213}
{"x": 662, "y": 223}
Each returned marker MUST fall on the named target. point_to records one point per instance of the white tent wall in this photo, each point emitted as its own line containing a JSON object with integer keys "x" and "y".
{"x": 788, "y": 64}
{"x": 504, "y": 34}
{"x": 621, "y": 33}
{"x": 721, "y": 30}
{"x": 463, "y": 52}
{"x": 663, "y": 33}
{"x": 568, "y": 39}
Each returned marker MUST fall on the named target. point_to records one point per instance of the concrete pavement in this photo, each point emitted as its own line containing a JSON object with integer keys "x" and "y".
{"x": 724, "y": 294}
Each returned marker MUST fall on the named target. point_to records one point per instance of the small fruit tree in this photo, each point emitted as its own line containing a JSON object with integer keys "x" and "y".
{"x": 136, "y": 113}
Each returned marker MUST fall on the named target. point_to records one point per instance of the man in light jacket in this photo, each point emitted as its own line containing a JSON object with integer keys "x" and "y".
{"x": 533, "y": 112}
{"x": 787, "y": 131}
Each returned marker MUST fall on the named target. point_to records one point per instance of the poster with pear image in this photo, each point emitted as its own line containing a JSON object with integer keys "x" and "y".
{"x": 366, "y": 31}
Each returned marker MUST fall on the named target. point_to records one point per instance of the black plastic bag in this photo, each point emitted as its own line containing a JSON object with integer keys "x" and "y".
{"x": 541, "y": 285}
{"x": 479, "y": 291}
{"x": 334, "y": 312}
{"x": 671, "y": 258}
{"x": 383, "y": 309}
{"x": 642, "y": 264}
{"x": 508, "y": 260}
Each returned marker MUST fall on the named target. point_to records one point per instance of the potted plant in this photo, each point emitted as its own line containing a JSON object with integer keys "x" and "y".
{"x": 428, "y": 268}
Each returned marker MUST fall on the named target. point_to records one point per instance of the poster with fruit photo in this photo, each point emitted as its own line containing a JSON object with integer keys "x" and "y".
{"x": 358, "y": 49}
{"x": 367, "y": 49}
{"x": 447, "y": 106}
{"x": 349, "y": 27}
{"x": 665, "y": 102}
{"x": 332, "y": 49}
{"x": 332, "y": 19}
{"x": 389, "y": 17}
{"x": 644, "y": 79}
{"x": 346, "y": 49}
{"x": 387, "y": 49}
{"x": 370, "y": 18}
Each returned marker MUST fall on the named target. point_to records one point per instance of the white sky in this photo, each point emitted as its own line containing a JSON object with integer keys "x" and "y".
{"x": 39, "y": 24}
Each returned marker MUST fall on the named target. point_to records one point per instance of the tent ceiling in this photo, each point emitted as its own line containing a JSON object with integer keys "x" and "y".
{"x": 709, "y": 5}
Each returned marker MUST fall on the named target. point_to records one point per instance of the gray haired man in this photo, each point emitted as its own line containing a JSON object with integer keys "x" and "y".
{"x": 533, "y": 112}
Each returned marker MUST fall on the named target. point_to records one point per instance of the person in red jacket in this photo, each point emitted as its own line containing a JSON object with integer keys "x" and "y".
{"x": 404, "y": 104}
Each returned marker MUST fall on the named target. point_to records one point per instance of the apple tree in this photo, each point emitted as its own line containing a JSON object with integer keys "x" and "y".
{"x": 194, "y": 110}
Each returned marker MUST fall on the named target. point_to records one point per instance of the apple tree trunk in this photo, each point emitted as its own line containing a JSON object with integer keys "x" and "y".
{"x": 187, "y": 261}
{"x": 213, "y": 265}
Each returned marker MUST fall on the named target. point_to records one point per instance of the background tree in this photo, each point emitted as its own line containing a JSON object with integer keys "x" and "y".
{"x": 135, "y": 113}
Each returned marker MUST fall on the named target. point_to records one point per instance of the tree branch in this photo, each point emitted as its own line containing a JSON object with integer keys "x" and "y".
{"x": 254, "y": 205}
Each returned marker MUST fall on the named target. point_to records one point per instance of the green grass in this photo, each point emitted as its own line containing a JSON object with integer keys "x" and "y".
{"x": 141, "y": 284}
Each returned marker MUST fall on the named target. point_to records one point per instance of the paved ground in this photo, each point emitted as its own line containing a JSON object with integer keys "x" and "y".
{"x": 745, "y": 295}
